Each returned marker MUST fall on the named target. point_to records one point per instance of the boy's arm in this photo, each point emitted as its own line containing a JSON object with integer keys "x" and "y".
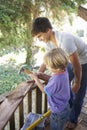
{"x": 37, "y": 81}
{"x": 40, "y": 85}
{"x": 43, "y": 77}
{"x": 77, "y": 71}
{"x": 42, "y": 68}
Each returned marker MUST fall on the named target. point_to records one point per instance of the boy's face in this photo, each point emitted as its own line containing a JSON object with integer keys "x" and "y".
{"x": 45, "y": 37}
{"x": 52, "y": 70}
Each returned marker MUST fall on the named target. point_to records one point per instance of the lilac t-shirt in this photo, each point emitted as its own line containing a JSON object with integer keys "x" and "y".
{"x": 58, "y": 92}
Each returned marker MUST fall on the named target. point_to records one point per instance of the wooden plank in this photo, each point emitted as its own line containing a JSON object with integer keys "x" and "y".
{"x": 12, "y": 122}
{"x": 29, "y": 98}
{"x": 84, "y": 110}
{"x": 79, "y": 127}
{"x": 45, "y": 103}
{"x": 21, "y": 115}
{"x": 11, "y": 101}
{"x": 83, "y": 116}
{"x": 2, "y": 98}
{"x": 9, "y": 105}
{"x": 38, "y": 101}
{"x": 47, "y": 127}
{"x": 6, "y": 110}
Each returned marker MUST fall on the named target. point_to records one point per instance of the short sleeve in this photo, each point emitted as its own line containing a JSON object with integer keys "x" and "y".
{"x": 52, "y": 87}
{"x": 69, "y": 45}
{"x": 49, "y": 46}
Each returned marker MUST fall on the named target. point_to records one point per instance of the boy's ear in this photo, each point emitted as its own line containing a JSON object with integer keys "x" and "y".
{"x": 49, "y": 31}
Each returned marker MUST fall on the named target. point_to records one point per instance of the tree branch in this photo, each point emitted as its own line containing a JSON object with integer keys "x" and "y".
{"x": 82, "y": 12}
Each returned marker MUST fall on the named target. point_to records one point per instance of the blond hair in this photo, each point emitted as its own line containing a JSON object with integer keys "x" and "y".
{"x": 56, "y": 59}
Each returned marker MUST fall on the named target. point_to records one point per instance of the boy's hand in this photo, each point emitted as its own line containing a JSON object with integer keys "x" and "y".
{"x": 75, "y": 87}
{"x": 43, "y": 76}
{"x": 33, "y": 76}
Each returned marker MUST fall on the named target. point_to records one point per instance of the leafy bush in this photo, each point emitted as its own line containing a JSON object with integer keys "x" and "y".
{"x": 9, "y": 78}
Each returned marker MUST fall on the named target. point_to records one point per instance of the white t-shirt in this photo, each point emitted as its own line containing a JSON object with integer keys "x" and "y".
{"x": 70, "y": 44}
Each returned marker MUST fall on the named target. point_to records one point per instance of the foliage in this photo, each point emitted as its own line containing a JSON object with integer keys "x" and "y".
{"x": 15, "y": 24}
{"x": 11, "y": 23}
{"x": 16, "y": 17}
{"x": 9, "y": 68}
{"x": 12, "y": 16}
{"x": 9, "y": 78}
{"x": 58, "y": 9}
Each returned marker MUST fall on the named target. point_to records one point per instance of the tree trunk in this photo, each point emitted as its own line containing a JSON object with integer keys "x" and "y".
{"x": 82, "y": 12}
{"x": 28, "y": 42}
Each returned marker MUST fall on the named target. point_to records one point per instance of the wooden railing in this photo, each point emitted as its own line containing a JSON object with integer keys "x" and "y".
{"x": 15, "y": 106}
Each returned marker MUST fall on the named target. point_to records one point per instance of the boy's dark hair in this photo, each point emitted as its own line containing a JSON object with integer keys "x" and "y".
{"x": 40, "y": 24}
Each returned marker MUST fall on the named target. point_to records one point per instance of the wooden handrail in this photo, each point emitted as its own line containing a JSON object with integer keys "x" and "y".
{"x": 14, "y": 100}
{"x": 10, "y": 104}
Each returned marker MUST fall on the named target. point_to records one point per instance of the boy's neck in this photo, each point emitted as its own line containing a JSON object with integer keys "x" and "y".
{"x": 59, "y": 71}
{"x": 53, "y": 39}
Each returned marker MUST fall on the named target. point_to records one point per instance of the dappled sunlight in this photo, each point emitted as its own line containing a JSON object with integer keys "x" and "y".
{"x": 40, "y": 53}
{"x": 39, "y": 58}
{"x": 17, "y": 59}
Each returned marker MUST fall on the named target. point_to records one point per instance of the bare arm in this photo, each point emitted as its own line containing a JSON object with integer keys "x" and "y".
{"x": 37, "y": 81}
{"x": 42, "y": 68}
{"x": 77, "y": 71}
